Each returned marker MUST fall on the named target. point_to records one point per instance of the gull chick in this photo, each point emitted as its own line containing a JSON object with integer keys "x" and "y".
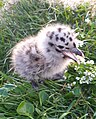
{"x": 46, "y": 54}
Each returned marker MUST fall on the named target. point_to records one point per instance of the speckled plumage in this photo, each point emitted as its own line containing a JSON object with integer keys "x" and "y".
{"x": 41, "y": 56}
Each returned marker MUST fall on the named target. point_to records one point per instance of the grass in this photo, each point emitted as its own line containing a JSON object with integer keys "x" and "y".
{"x": 55, "y": 99}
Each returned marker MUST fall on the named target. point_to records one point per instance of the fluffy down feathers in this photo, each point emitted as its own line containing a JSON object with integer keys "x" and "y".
{"x": 43, "y": 56}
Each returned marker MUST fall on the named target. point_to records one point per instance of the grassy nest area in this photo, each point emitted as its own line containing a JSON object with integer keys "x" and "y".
{"x": 72, "y": 98}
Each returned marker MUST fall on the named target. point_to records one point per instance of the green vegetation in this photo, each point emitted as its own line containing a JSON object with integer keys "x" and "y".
{"x": 1, "y": 3}
{"x": 73, "y": 98}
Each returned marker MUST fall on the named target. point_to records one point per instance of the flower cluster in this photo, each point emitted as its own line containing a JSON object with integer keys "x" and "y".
{"x": 88, "y": 74}
{"x": 89, "y": 62}
{"x": 85, "y": 73}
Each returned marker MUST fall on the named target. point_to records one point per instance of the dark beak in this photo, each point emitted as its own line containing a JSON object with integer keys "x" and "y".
{"x": 77, "y": 52}
{"x": 72, "y": 54}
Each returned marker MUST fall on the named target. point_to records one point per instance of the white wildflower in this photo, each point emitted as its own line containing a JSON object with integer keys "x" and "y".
{"x": 89, "y": 73}
{"x": 83, "y": 78}
{"x": 80, "y": 82}
{"x": 77, "y": 78}
{"x": 94, "y": 72}
{"x": 87, "y": 82}
{"x": 74, "y": 83}
{"x": 84, "y": 63}
{"x": 92, "y": 75}
{"x": 90, "y": 78}
{"x": 86, "y": 73}
{"x": 69, "y": 86}
{"x": 90, "y": 62}
{"x": 76, "y": 68}
{"x": 88, "y": 97}
{"x": 87, "y": 20}
{"x": 80, "y": 72}
{"x": 64, "y": 77}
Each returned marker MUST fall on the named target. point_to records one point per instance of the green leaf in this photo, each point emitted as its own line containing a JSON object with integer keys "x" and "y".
{"x": 77, "y": 91}
{"x": 1, "y": 4}
{"x": 10, "y": 86}
{"x": 3, "y": 92}
{"x": 94, "y": 114}
{"x": 69, "y": 95}
{"x": 26, "y": 109}
{"x": 38, "y": 111}
{"x": 67, "y": 111}
{"x": 3, "y": 117}
{"x": 63, "y": 115}
{"x": 43, "y": 96}
{"x": 71, "y": 105}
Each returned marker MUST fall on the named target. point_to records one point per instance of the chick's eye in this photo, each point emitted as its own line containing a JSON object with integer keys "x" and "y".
{"x": 60, "y": 46}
